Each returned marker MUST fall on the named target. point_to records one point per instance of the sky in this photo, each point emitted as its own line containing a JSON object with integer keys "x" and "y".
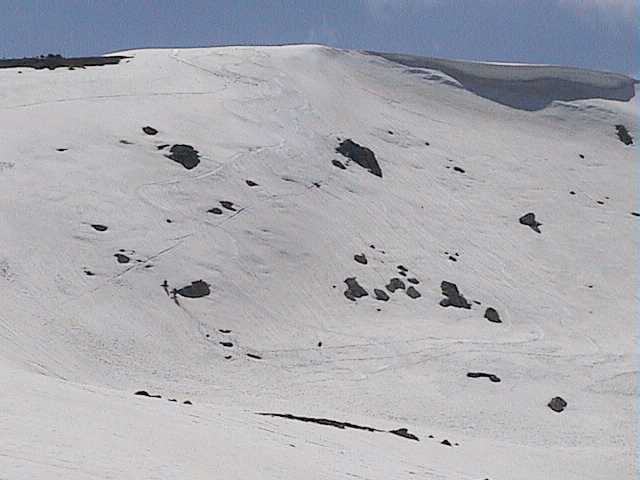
{"x": 596, "y": 34}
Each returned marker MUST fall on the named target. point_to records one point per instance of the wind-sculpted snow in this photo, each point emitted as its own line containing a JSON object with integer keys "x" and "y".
{"x": 195, "y": 225}
{"x": 526, "y": 87}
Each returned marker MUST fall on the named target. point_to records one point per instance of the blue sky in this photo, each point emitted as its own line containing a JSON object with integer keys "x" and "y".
{"x": 599, "y": 34}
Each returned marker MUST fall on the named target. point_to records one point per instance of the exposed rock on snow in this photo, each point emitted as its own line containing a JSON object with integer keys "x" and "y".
{"x": 454, "y": 298}
{"x": 492, "y": 315}
{"x": 403, "y": 432}
{"x": 413, "y": 293}
{"x": 529, "y": 219}
{"x": 185, "y": 155}
{"x": 354, "y": 290}
{"x": 394, "y": 284}
{"x": 380, "y": 295}
{"x": 623, "y": 135}
{"x": 339, "y": 164}
{"x": 122, "y": 258}
{"x": 197, "y": 289}
{"x": 490, "y": 376}
{"x": 557, "y": 404}
{"x": 361, "y": 155}
{"x": 360, "y": 258}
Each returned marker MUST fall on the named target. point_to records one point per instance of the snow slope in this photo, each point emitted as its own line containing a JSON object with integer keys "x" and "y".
{"x": 80, "y": 331}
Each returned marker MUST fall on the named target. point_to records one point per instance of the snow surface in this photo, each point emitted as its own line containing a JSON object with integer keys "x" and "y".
{"x": 74, "y": 347}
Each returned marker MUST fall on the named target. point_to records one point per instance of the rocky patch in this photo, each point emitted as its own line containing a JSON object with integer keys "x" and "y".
{"x": 339, "y": 164}
{"x": 185, "y": 155}
{"x": 122, "y": 258}
{"x": 144, "y": 393}
{"x": 395, "y": 284}
{"x": 320, "y": 421}
{"x": 492, "y": 315}
{"x": 380, "y": 295}
{"x": 413, "y": 293}
{"x": 228, "y": 205}
{"x": 529, "y": 219}
{"x": 361, "y": 258}
{"x": 557, "y": 404}
{"x": 354, "y": 290}
{"x": 454, "y": 298}
{"x": 51, "y": 62}
{"x": 149, "y": 130}
{"x": 403, "y": 432}
{"x": 197, "y": 289}
{"x": 623, "y": 135}
{"x": 361, "y": 155}
{"x": 490, "y": 376}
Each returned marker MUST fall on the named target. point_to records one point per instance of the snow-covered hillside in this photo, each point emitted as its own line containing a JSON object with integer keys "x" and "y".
{"x": 274, "y": 230}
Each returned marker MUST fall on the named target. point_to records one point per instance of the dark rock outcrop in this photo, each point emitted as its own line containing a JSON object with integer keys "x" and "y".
{"x": 413, "y": 293}
{"x": 395, "y": 284}
{"x": 557, "y": 404}
{"x": 52, "y": 62}
{"x": 492, "y": 315}
{"x": 228, "y": 205}
{"x": 380, "y": 295}
{"x": 361, "y": 155}
{"x": 185, "y": 155}
{"x": 339, "y": 164}
{"x": 197, "y": 289}
{"x": 320, "y": 421}
{"x": 454, "y": 298}
{"x": 490, "y": 376}
{"x": 354, "y": 290}
{"x": 121, "y": 258}
{"x": 623, "y": 135}
{"x": 149, "y": 130}
{"x": 144, "y": 393}
{"x": 529, "y": 219}
{"x": 403, "y": 432}
{"x": 361, "y": 258}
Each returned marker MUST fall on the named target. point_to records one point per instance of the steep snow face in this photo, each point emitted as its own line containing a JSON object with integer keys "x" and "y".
{"x": 323, "y": 233}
